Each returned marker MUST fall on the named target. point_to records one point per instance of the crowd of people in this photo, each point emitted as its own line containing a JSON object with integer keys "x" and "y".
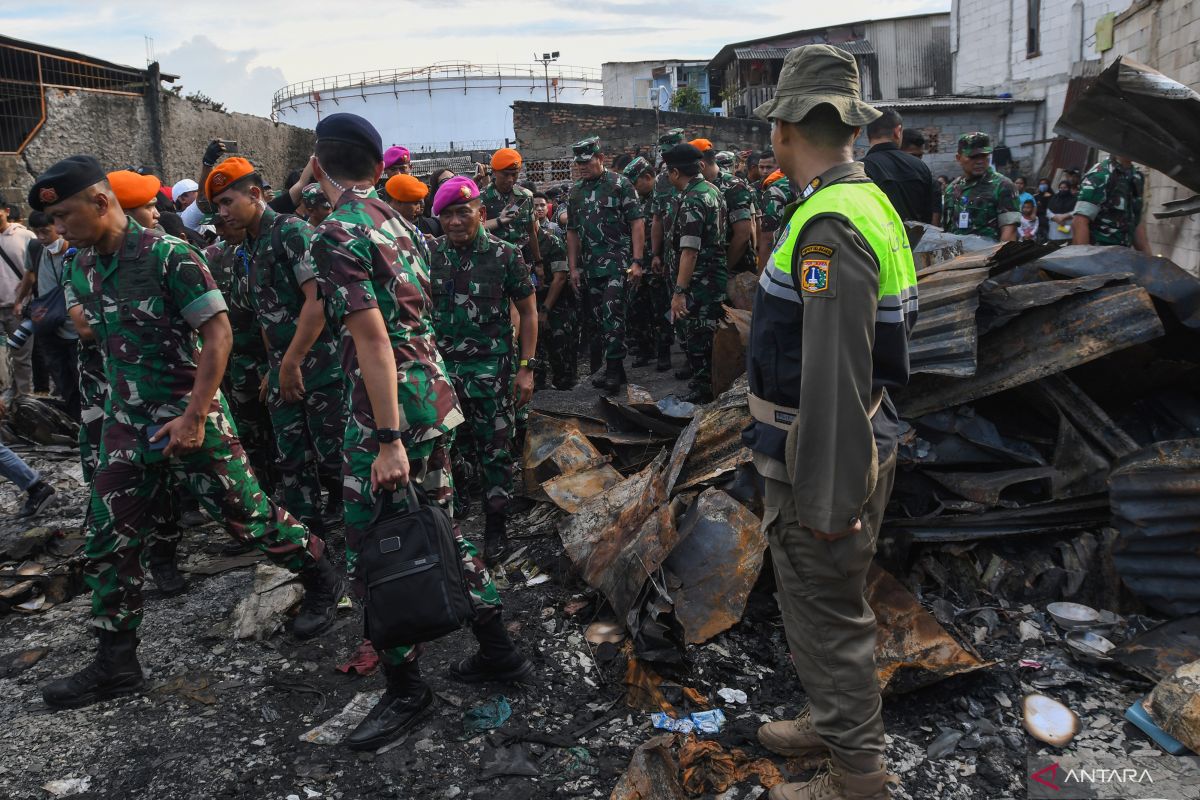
{"x": 286, "y": 361}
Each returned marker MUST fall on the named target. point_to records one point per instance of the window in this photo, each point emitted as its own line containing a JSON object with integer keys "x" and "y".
{"x": 1033, "y": 28}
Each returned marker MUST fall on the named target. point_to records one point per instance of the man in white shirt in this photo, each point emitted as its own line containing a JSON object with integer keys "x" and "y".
{"x": 14, "y": 262}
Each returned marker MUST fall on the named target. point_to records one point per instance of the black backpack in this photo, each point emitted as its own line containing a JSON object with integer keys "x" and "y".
{"x": 412, "y": 571}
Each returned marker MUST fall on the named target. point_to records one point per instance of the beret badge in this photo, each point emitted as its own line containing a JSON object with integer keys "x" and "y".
{"x": 48, "y": 195}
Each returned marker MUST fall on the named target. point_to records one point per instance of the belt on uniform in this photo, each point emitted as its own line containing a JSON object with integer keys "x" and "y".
{"x": 782, "y": 417}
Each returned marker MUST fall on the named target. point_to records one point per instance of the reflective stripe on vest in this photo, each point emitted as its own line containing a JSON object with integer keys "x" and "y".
{"x": 870, "y": 213}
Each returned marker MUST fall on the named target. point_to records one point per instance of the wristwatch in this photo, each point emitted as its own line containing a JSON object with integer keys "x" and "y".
{"x": 680, "y": 289}
{"x": 387, "y": 435}
{"x": 529, "y": 363}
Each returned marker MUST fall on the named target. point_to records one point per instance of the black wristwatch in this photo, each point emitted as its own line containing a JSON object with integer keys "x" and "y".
{"x": 529, "y": 363}
{"x": 680, "y": 289}
{"x": 387, "y": 435}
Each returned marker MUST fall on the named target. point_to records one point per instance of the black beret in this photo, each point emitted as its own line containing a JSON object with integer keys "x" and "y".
{"x": 351, "y": 129}
{"x": 68, "y": 177}
{"x": 682, "y": 154}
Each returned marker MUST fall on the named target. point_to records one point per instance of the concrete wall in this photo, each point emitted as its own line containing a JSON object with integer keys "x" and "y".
{"x": 120, "y": 132}
{"x": 547, "y": 130}
{"x": 1163, "y": 34}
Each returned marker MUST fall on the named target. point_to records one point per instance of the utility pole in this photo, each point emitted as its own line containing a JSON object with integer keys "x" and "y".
{"x": 546, "y": 59}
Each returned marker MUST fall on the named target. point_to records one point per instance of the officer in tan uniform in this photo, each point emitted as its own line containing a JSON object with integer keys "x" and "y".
{"x": 835, "y": 303}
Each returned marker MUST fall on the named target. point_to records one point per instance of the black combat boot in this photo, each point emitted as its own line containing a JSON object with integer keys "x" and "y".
{"x": 642, "y": 357}
{"x": 114, "y": 672}
{"x": 597, "y": 354}
{"x": 236, "y": 547}
{"x": 334, "y": 514}
{"x": 498, "y": 658}
{"x": 406, "y": 697}
{"x": 664, "y": 357}
{"x": 685, "y": 373}
{"x": 614, "y": 375}
{"x": 495, "y": 537}
{"x": 163, "y": 569}
{"x": 323, "y": 588}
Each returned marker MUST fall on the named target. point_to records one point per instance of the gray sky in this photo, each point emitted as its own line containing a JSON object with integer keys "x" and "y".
{"x": 241, "y": 53}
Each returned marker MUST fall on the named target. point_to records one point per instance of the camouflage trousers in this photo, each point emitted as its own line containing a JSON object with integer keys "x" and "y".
{"x": 131, "y": 481}
{"x": 648, "y": 306}
{"x": 251, "y": 418}
{"x": 308, "y": 445}
{"x": 696, "y": 333}
{"x": 429, "y": 466}
{"x": 558, "y": 345}
{"x": 485, "y": 393}
{"x": 607, "y": 297}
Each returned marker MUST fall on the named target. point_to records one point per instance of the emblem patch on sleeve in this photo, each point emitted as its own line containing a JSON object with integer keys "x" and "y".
{"x": 814, "y": 268}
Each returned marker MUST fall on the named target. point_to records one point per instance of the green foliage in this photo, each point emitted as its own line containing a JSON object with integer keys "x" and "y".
{"x": 687, "y": 100}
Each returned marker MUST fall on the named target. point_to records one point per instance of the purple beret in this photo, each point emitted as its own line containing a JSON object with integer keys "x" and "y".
{"x": 457, "y": 190}
{"x": 394, "y": 154}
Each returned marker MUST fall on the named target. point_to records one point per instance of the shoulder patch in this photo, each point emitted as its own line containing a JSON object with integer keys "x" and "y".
{"x": 190, "y": 274}
{"x": 814, "y": 268}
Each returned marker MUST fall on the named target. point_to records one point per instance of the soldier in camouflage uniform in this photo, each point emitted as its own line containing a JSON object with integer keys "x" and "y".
{"x": 605, "y": 227}
{"x": 663, "y": 261}
{"x": 557, "y": 307}
{"x": 777, "y": 194}
{"x": 378, "y": 300}
{"x": 475, "y": 276}
{"x": 649, "y": 331}
{"x": 145, "y": 297}
{"x": 699, "y": 237}
{"x": 304, "y": 387}
{"x": 981, "y": 201}
{"x": 406, "y": 196}
{"x": 739, "y": 215}
{"x": 508, "y": 205}
{"x": 1108, "y": 210}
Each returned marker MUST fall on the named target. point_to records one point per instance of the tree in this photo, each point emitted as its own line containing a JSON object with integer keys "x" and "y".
{"x": 688, "y": 100}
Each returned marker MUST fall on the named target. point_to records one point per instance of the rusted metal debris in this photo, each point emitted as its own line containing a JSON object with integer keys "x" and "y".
{"x": 1155, "y": 495}
{"x": 944, "y": 340}
{"x": 729, "y": 348}
{"x": 1160, "y": 651}
{"x": 653, "y": 773}
{"x": 562, "y": 464}
{"x": 911, "y": 649}
{"x": 718, "y": 449}
{"x": 717, "y": 563}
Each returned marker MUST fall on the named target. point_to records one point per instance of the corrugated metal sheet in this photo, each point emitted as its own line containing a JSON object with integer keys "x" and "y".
{"x": 856, "y": 47}
{"x": 761, "y": 53}
{"x": 955, "y": 101}
{"x": 1155, "y": 498}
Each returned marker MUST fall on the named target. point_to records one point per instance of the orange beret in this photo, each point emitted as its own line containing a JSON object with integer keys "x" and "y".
{"x": 405, "y": 188}
{"x": 133, "y": 190}
{"x": 225, "y": 173}
{"x": 774, "y": 176}
{"x": 701, "y": 144}
{"x": 505, "y": 157}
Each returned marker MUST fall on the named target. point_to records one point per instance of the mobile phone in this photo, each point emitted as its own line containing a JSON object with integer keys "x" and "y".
{"x": 231, "y": 145}
{"x": 162, "y": 443}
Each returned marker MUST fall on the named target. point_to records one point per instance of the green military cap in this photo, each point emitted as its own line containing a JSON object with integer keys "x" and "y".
{"x": 670, "y": 138}
{"x": 726, "y": 158}
{"x": 586, "y": 150}
{"x": 312, "y": 195}
{"x": 813, "y": 75}
{"x": 210, "y": 219}
{"x": 976, "y": 143}
{"x": 636, "y": 168}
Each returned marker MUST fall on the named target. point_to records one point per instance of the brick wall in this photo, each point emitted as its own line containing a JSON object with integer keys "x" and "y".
{"x": 546, "y": 131}
{"x": 1163, "y": 34}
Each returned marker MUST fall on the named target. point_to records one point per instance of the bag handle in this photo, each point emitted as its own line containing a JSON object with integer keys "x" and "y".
{"x": 414, "y": 502}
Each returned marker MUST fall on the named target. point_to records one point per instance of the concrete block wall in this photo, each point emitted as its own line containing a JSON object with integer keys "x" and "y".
{"x": 547, "y": 130}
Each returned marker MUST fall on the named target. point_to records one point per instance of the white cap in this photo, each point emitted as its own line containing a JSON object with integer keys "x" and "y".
{"x": 184, "y": 186}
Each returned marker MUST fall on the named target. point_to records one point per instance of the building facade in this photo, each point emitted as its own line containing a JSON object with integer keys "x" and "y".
{"x": 644, "y": 84}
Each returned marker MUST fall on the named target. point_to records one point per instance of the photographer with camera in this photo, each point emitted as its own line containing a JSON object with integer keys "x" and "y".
{"x": 15, "y": 243}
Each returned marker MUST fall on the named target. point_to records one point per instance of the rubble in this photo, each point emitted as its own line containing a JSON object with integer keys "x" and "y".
{"x": 1175, "y": 705}
{"x": 1048, "y": 720}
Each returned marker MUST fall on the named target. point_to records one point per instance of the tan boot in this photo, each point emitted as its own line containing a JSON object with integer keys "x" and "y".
{"x": 793, "y": 737}
{"x": 836, "y": 783}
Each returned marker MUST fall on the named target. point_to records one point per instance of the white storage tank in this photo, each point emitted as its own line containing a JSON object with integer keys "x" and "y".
{"x": 443, "y": 107}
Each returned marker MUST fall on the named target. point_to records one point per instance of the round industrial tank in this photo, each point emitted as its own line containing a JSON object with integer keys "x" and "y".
{"x": 439, "y": 108}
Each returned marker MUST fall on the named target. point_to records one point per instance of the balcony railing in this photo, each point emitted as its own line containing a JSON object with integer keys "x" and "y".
{"x": 748, "y": 98}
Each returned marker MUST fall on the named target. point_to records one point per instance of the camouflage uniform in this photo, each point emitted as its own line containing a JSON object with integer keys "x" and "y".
{"x": 419, "y": 241}
{"x": 700, "y": 226}
{"x": 775, "y": 198}
{"x": 144, "y": 304}
{"x": 739, "y": 207}
{"x": 308, "y": 434}
{"x": 247, "y": 363}
{"x": 1111, "y": 197}
{"x": 517, "y": 231}
{"x": 990, "y": 202}
{"x": 472, "y": 290}
{"x": 601, "y": 212}
{"x": 649, "y": 328}
{"x": 363, "y": 259}
{"x": 558, "y": 345}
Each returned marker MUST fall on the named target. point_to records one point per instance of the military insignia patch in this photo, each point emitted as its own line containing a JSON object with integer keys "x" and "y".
{"x": 219, "y": 180}
{"x": 814, "y": 275}
{"x": 48, "y": 195}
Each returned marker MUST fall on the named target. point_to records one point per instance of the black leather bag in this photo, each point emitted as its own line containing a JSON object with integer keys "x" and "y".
{"x": 413, "y": 575}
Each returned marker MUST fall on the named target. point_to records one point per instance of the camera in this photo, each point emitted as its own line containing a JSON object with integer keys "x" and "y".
{"x": 20, "y": 336}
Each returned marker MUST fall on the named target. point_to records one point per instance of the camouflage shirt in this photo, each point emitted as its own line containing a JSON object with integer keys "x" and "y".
{"x": 739, "y": 207}
{"x": 228, "y": 270}
{"x": 700, "y": 226}
{"x": 419, "y": 241}
{"x": 144, "y": 305}
{"x": 471, "y": 293}
{"x": 276, "y": 276}
{"x": 1111, "y": 197}
{"x": 663, "y": 199}
{"x": 601, "y": 212}
{"x": 775, "y": 198}
{"x": 517, "y": 231}
{"x": 363, "y": 258}
{"x": 989, "y": 202}
{"x": 554, "y": 259}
